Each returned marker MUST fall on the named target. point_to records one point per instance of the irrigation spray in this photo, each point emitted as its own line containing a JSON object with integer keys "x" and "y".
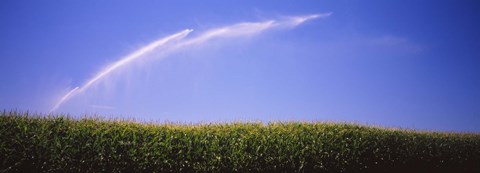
{"x": 177, "y": 41}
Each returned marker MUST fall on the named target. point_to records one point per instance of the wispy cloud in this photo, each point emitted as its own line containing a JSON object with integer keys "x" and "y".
{"x": 179, "y": 41}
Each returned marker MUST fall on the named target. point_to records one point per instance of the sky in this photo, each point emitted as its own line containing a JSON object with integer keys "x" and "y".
{"x": 400, "y": 64}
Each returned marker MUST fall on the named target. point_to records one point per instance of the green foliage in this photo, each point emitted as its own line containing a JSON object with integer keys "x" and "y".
{"x": 39, "y": 143}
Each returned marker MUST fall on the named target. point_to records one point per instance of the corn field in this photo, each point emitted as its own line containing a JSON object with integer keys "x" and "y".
{"x": 47, "y": 143}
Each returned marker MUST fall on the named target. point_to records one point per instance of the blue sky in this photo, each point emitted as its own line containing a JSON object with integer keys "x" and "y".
{"x": 408, "y": 64}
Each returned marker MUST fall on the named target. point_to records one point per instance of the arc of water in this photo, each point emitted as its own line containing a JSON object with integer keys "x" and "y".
{"x": 122, "y": 62}
{"x": 236, "y": 30}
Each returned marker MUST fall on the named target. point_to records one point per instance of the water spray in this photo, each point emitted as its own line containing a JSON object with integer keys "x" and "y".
{"x": 122, "y": 62}
{"x": 64, "y": 98}
{"x": 236, "y": 30}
